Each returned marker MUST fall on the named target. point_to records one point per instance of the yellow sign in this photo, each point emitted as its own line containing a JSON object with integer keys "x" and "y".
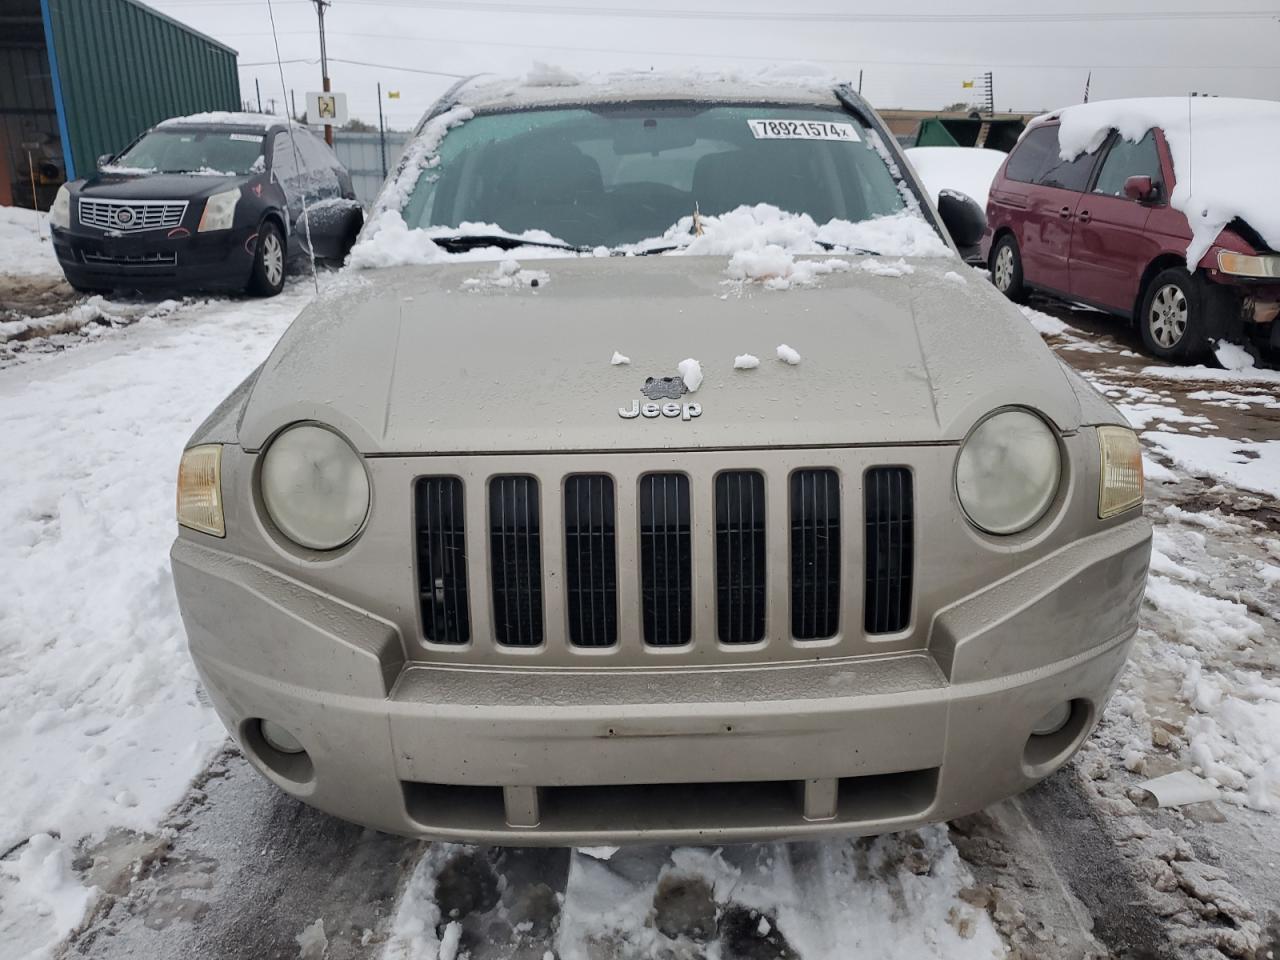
{"x": 967, "y": 84}
{"x": 393, "y": 94}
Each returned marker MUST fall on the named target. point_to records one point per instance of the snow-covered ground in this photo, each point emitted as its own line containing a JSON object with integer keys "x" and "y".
{"x": 99, "y": 715}
{"x": 25, "y": 248}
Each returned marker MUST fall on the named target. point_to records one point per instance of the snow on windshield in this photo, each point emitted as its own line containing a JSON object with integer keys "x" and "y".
{"x": 1224, "y": 157}
{"x": 764, "y": 229}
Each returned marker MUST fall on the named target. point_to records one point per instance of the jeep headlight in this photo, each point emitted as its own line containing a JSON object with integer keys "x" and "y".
{"x": 314, "y": 487}
{"x": 1008, "y": 471}
{"x": 60, "y": 212}
{"x": 1121, "y": 482}
{"x": 200, "y": 489}
{"x": 220, "y": 210}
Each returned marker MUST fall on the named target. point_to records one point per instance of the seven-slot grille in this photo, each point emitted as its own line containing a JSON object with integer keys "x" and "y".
{"x": 889, "y": 519}
{"x": 740, "y": 556}
{"x": 815, "y": 554}
{"x": 515, "y": 548}
{"x": 590, "y": 560}
{"x": 442, "y": 560}
{"x": 663, "y": 518}
{"x": 131, "y": 216}
{"x": 666, "y": 559}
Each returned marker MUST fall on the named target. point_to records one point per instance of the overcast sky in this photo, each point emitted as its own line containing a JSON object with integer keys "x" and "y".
{"x": 913, "y": 53}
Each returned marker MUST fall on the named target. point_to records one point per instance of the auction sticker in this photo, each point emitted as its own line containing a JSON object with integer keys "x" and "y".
{"x": 802, "y": 130}
{"x": 247, "y": 137}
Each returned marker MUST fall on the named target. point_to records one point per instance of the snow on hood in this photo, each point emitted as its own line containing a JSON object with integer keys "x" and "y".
{"x": 440, "y": 370}
{"x": 1224, "y": 151}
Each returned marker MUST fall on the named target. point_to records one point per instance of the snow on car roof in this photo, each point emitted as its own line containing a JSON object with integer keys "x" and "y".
{"x": 1224, "y": 156}
{"x": 547, "y": 84}
{"x": 260, "y": 121}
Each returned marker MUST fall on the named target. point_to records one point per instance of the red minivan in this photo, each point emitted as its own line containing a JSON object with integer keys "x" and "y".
{"x": 1099, "y": 230}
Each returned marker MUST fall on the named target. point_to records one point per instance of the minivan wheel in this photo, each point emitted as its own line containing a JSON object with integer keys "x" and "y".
{"x": 1006, "y": 269}
{"x": 1182, "y": 315}
{"x": 267, "y": 278}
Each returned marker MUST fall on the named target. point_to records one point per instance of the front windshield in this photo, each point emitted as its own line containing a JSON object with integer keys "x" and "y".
{"x": 618, "y": 174}
{"x": 193, "y": 151}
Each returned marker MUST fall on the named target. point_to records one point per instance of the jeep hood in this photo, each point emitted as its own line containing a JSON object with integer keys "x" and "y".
{"x": 423, "y": 360}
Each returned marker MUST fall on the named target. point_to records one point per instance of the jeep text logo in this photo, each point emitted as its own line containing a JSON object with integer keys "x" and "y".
{"x": 651, "y": 411}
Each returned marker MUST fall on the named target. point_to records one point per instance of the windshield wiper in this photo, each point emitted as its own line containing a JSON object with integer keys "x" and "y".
{"x": 459, "y": 243}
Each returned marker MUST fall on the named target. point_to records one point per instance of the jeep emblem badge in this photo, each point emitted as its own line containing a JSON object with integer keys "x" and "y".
{"x": 651, "y": 411}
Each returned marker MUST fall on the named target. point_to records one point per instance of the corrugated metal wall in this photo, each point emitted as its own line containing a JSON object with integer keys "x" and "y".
{"x": 122, "y": 67}
{"x": 361, "y": 154}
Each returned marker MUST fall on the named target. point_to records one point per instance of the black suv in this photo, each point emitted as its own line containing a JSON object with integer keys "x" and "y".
{"x": 213, "y": 201}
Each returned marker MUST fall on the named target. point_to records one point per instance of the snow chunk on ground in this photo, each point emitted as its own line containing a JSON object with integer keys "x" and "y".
{"x": 43, "y": 886}
{"x": 745, "y": 361}
{"x": 969, "y": 170}
{"x": 953, "y": 277}
{"x": 599, "y": 853}
{"x": 25, "y": 248}
{"x": 788, "y": 355}
{"x": 691, "y": 372}
{"x": 1224, "y": 155}
{"x": 619, "y": 360}
{"x": 312, "y": 942}
{"x": 1047, "y": 325}
{"x": 1232, "y": 356}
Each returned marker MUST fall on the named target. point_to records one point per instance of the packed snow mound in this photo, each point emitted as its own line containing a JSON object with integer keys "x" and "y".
{"x": 1224, "y": 156}
{"x": 967, "y": 169}
{"x": 25, "y": 249}
{"x": 904, "y": 234}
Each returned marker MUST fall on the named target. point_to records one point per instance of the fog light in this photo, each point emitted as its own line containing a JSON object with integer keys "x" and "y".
{"x": 1051, "y": 722}
{"x": 278, "y": 738}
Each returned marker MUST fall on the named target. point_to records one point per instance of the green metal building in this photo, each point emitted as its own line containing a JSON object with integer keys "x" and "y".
{"x": 82, "y": 78}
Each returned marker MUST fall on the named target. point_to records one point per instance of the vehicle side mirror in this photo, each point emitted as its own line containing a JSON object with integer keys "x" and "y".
{"x": 1140, "y": 189}
{"x": 105, "y": 160}
{"x": 963, "y": 218}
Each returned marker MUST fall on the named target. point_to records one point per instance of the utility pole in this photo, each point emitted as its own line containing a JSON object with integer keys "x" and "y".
{"x": 991, "y": 93}
{"x": 382, "y": 132}
{"x": 258, "y": 87}
{"x": 321, "y": 6}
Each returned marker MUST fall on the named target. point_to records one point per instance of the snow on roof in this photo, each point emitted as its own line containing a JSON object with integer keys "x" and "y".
{"x": 1224, "y": 156}
{"x": 546, "y": 84}
{"x": 259, "y": 121}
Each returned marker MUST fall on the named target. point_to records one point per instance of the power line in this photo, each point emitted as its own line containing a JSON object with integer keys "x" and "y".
{"x": 788, "y": 16}
{"x": 702, "y": 54}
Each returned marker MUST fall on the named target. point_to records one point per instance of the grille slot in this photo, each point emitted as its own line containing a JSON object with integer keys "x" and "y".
{"x": 889, "y": 517}
{"x": 815, "y": 554}
{"x": 442, "y": 560}
{"x": 666, "y": 559}
{"x": 156, "y": 259}
{"x": 740, "y": 557}
{"x": 591, "y": 560}
{"x": 515, "y": 547}
{"x": 137, "y": 215}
